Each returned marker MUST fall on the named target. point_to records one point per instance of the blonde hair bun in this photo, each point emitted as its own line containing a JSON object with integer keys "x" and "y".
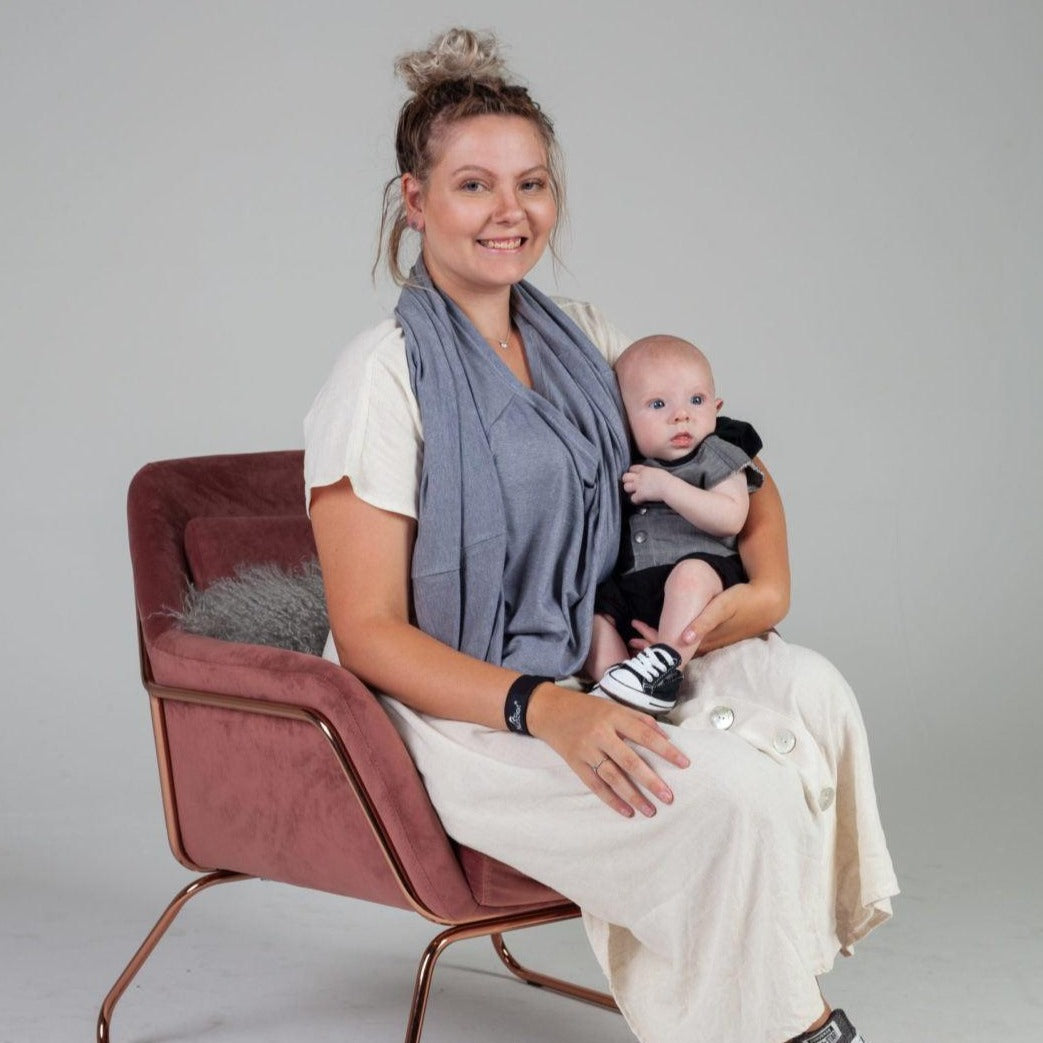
{"x": 457, "y": 54}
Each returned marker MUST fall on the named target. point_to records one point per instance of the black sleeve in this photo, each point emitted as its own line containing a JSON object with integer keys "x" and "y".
{"x": 739, "y": 433}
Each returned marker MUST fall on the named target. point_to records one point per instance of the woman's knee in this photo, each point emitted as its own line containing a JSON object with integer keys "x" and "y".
{"x": 734, "y": 779}
{"x": 815, "y": 677}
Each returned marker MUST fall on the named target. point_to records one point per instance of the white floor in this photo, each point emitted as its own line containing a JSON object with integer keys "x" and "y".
{"x": 255, "y": 961}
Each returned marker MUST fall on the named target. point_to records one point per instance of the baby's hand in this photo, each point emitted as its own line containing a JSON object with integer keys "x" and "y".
{"x": 642, "y": 483}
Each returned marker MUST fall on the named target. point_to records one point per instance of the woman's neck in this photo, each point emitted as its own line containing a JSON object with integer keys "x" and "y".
{"x": 488, "y": 308}
{"x": 490, "y": 314}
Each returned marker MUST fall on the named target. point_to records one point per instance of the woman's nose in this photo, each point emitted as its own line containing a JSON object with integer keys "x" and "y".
{"x": 508, "y": 208}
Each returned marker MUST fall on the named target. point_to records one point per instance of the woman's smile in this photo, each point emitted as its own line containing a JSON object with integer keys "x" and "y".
{"x": 502, "y": 244}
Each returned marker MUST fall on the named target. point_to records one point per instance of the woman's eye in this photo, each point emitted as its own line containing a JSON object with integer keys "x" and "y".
{"x": 471, "y": 186}
{"x": 534, "y": 184}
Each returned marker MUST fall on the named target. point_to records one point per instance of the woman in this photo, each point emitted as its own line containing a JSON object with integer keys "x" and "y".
{"x": 476, "y": 440}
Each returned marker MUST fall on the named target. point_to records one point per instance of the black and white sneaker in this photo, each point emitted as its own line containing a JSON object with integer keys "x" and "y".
{"x": 837, "y": 1030}
{"x": 648, "y": 681}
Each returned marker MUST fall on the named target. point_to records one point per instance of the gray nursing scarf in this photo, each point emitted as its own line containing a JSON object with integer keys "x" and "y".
{"x": 519, "y": 512}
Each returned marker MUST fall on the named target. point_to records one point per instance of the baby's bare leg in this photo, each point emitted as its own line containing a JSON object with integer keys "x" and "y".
{"x": 606, "y": 647}
{"x": 690, "y": 587}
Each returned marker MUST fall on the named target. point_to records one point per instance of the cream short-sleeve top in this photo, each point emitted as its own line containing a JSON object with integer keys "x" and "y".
{"x": 365, "y": 424}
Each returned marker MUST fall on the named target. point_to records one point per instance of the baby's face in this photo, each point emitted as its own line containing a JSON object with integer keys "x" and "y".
{"x": 670, "y": 403}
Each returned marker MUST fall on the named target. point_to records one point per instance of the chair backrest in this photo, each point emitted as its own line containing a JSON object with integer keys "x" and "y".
{"x": 169, "y": 498}
{"x": 260, "y": 792}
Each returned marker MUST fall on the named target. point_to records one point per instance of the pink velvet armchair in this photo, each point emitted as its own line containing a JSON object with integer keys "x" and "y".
{"x": 278, "y": 764}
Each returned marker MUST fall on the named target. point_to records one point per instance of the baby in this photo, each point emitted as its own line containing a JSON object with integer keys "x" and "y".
{"x": 690, "y": 497}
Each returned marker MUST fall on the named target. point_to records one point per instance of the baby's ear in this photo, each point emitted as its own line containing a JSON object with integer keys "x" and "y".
{"x": 718, "y": 404}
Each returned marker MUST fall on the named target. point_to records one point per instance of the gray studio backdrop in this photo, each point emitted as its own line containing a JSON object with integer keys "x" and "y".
{"x": 840, "y": 202}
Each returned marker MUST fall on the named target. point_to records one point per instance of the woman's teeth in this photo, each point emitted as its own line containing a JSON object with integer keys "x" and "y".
{"x": 502, "y": 244}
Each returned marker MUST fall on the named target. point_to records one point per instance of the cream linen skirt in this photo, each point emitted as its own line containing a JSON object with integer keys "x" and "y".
{"x": 711, "y": 920}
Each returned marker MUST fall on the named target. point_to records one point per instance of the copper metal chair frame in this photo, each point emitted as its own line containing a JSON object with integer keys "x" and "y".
{"x": 494, "y": 926}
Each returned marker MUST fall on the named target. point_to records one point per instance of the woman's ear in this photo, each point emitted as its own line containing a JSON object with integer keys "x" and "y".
{"x": 413, "y": 200}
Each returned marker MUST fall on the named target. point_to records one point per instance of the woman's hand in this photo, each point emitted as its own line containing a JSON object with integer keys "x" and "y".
{"x": 596, "y": 738}
{"x": 725, "y": 620}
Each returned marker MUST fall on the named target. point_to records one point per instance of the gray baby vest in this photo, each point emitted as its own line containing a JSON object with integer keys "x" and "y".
{"x": 656, "y": 534}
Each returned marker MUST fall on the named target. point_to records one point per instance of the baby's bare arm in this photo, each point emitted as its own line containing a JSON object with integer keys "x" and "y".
{"x": 720, "y": 511}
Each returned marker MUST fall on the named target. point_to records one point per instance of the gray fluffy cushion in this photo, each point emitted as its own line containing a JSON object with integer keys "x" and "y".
{"x": 262, "y": 605}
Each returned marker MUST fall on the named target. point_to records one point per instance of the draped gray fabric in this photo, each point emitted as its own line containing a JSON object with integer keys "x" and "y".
{"x": 520, "y": 505}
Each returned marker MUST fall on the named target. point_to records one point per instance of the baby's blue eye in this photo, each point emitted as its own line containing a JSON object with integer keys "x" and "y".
{"x": 697, "y": 400}
{"x": 657, "y": 403}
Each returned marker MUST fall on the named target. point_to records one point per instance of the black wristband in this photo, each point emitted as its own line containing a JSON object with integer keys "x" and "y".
{"x": 516, "y": 705}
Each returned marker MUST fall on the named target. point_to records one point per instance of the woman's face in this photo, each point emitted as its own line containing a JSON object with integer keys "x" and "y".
{"x": 486, "y": 210}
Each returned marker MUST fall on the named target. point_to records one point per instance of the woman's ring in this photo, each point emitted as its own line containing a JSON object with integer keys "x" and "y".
{"x": 595, "y": 767}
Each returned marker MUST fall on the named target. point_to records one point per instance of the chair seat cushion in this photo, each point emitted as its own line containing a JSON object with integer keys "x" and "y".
{"x": 497, "y": 885}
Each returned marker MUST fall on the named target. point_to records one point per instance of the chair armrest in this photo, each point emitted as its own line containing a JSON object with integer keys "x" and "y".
{"x": 377, "y": 758}
{"x": 182, "y": 660}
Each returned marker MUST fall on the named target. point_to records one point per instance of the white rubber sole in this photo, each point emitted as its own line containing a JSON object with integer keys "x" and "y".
{"x": 636, "y": 700}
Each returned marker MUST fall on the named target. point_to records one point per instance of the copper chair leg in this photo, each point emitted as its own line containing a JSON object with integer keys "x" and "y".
{"x": 544, "y": 981}
{"x": 438, "y": 945}
{"x": 425, "y": 971}
{"x": 221, "y": 876}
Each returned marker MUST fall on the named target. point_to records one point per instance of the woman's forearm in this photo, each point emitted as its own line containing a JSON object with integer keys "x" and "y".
{"x": 750, "y": 609}
{"x": 764, "y": 549}
{"x": 401, "y": 660}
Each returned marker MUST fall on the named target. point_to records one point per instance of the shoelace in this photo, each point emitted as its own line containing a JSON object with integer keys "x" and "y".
{"x": 650, "y": 664}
